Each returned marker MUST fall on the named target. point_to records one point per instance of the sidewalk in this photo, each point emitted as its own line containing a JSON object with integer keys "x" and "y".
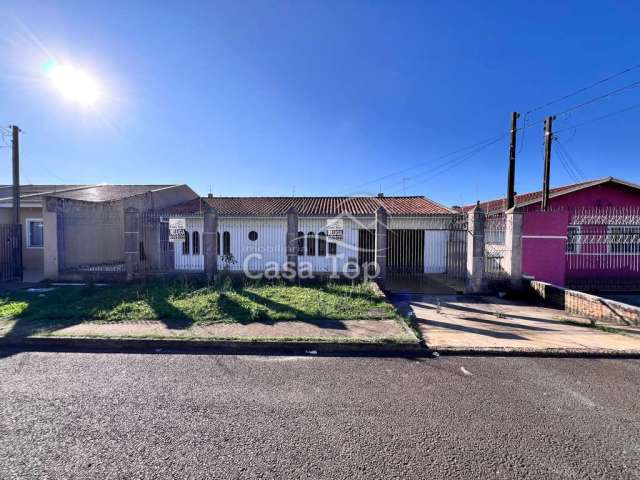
{"x": 326, "y": 336}
{"x": 477, "y": 324}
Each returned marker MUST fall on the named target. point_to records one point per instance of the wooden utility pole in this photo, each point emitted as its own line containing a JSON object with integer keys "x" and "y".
{"x": 15, "y": 157}
{"x": 511, "y": 177}
{"x": 546, "y": 179}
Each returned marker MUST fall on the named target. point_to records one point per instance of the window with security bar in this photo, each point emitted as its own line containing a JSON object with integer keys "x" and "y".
{"x": 624, "y": 239}
{"x": 574, "y": 238}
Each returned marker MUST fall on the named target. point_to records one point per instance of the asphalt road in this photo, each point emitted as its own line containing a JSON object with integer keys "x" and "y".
{"x": 81, "y": 415}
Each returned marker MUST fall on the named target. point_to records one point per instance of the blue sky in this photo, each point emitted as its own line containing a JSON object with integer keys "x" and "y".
{"x": 259, "y": 98}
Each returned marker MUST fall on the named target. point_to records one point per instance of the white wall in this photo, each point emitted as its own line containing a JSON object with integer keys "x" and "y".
{"x": 271, "y": 242}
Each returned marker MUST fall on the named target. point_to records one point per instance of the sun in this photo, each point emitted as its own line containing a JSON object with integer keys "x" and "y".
{"x": 74, "y": 84}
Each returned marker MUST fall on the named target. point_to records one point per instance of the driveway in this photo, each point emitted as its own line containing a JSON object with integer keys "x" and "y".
{"x": 465, "y": 322}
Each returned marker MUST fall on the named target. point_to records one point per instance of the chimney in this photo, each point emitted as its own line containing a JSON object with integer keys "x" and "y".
{"x": 381, "y": 195}
{"x": 210, "y": 195}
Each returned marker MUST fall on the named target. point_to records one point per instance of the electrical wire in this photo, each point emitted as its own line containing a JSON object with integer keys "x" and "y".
{"x": 583, "y": 89}
{"x": 443, "y": 168}
{"x": 597, "y": 119}
{"x": 423, "y": 164}
{"x": 570, "y": 160}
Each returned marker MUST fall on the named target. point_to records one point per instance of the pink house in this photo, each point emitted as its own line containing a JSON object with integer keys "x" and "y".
{"x": 589, "y": 237}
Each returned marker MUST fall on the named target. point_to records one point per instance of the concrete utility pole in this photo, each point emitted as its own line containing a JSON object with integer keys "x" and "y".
{"x": 546, "y": 180}
{"x": 15, "y": 149}
{"x": 511, "y": 177}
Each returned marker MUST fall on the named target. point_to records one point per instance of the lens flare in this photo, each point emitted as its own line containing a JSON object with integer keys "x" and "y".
{"x": 75, "y": 85}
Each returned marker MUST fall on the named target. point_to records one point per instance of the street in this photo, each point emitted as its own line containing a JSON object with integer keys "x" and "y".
{"x": 87, "y": 415}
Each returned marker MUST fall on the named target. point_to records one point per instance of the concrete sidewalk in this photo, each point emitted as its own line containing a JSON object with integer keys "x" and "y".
{"x": 458, "y": 323}
{"x": 324, "y": 336}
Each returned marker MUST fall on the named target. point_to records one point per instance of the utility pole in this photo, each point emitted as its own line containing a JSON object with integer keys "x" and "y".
{"x": 511, "y": 177}
{"x": 546, "y": 180}
{"x": 15, "y": 150}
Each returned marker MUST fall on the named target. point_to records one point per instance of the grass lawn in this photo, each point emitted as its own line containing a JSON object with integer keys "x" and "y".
{"x": 198, "y": 303}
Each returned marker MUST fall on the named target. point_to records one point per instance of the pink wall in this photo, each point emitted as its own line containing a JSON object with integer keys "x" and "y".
{"x": 545, "y": 258}
{"x": 544, "y": 245}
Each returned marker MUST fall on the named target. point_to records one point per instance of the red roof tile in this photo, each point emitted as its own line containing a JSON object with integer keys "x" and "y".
{"x": 309, "y": 206}
{"x": 533, "y": 197}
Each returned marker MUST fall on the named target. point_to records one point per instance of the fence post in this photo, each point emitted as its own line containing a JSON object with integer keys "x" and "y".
{"x": 513, "y": 245}
{"x": 292, "y": 240}
{"x": 210, "y": 243}
{"x": 131, "y": 241}
{"x": 382, "y": 222}
{"x": 475, "y": 282}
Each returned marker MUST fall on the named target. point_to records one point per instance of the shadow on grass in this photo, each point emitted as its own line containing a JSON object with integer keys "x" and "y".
{"x": 261, "y": 314}
{"x": 68, "y": 306}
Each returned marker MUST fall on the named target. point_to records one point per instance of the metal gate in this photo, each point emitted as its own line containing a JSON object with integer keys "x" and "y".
{"x": 159, "y": 254}
{"x": 10, "y": 252}
{"x": 428, "y": 254}
{"x": 603, "y": 248}
{"x": 495, "y": 248}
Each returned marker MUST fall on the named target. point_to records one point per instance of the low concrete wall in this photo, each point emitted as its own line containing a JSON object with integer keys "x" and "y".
{"x": 596, "y": 308}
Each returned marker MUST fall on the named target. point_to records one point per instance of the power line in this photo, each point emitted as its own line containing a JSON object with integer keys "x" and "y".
{"x": 451, "y": 164}
{"x": 568, "y": 167}
{"x": 423, "y": 164}
{"x": 583, "y": 89}
{"x": 598, "y": 98}
{"x": 526, "y": 125}
{"x": 602, "y": 117}
{"x": 571, "y": 162}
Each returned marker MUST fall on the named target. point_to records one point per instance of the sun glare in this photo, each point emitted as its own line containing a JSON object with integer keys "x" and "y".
{"x": 75, "y": 85}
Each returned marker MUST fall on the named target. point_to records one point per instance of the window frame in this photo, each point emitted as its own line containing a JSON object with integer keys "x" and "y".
{"x": 322, "y": 244}
{"x": 28, "y": 223}
{"x": 635, "y": 248}
{"x": 195, "y": 242}
{"x": 332, "y": 247}
{"x": 226, "y": 243}
{"x": 311, "y": 244}
{"x": 578, "y": 246}
{"x": 186, "y": 243}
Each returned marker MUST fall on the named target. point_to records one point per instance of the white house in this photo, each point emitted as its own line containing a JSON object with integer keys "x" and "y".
{"x": 252, "y": 233}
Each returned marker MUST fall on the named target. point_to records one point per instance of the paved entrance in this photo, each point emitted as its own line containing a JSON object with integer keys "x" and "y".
{"x": 459, "y": 322}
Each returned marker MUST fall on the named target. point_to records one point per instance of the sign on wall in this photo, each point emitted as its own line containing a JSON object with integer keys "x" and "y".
{"x": 177, "y": 226}
{"x": 335, "y": 229}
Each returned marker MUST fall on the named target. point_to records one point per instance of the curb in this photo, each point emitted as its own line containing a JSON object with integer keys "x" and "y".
{"x": 540, "y": 353}
{"x": 220, "y": 347}
{"x": 233, "y": 347}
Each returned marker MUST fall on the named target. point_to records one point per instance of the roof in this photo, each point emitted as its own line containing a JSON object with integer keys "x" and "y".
{"x": 34, "y": 192}
{"x": 525, "y": 199}
{"x": 313, "y": 206}
{"x": 108, "y": 193}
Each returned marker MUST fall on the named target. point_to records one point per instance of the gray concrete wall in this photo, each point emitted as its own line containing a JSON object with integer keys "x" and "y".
{"x": 93, "y": 233}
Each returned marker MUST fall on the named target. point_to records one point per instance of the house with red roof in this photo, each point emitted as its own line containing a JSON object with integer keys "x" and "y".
{"x": 598, "y": 193}
{"x": 335, "y": 234}
{"x": 588, "y": 238}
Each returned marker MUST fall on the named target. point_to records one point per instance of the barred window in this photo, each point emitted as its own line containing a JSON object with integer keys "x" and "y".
{"x": 300, "y": 243}
{"x": 333, "y": 247}
{"x": 218, "y": 243}
{"x": 195, "y": 242}
{"x": 185, "y": 243}
{"x": 322, "y": 244}
{"x": 573, "y": 239}
{"x": 311, "y": 244}
{"x": 226, "y": 243}
{"x": 624, "y": 239}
